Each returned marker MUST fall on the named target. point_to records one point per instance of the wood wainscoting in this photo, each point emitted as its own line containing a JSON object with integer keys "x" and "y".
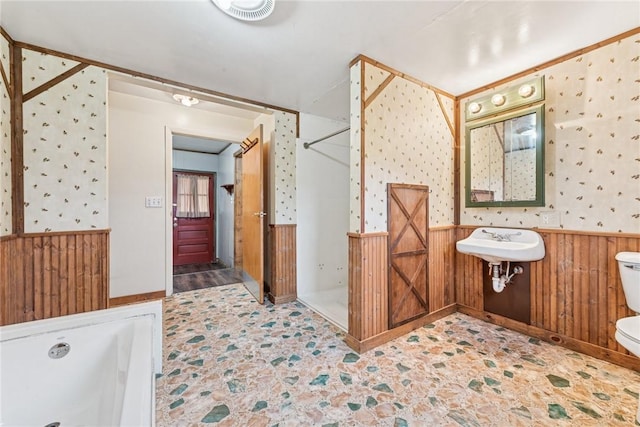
{"x": 45, "y": 275}
{"x": 283, "y": 281}
{"x": 368, "y": 287}
{"x": 576, "y": 293}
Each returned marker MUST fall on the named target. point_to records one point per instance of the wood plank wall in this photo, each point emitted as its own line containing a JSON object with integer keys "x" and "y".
{"x": 368, "y": 289}
{"x": 283, "y": 263}
{"x": 575, "y": 290}
{"x": 442, "y": 252}
{"x": 53, "y": 274}
{"x": 368, "y": 283}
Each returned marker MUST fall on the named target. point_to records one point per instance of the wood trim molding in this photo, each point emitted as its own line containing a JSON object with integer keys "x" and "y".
{"x": 5, "y": 80}
{"x": 154, "y": 78}
{"x": 446, "y": 117}
{"x": 551, "y": 63}
{"x": 566, "y": 231}
{"x": 365, "y": 235}
{"x": 365, "y": 58}
{"x": 362, "y": 148}
{"x": 54, "y": 81}
{"x": 67, "y": 233}
{"x": 627, "y": 361}
{"x": 17, "y": 141}
{"x": 133, "y": 299}
{"x": 362, "y": 346}
{"x": 378, "y": 90}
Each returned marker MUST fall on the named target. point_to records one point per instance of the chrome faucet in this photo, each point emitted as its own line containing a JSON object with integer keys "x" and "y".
{"x": 506, "y": 237}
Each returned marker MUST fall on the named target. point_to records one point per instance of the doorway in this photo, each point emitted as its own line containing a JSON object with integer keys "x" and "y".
{"x": 194, "y": 219}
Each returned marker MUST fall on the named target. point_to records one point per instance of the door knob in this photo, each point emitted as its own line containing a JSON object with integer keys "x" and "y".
{"x": 260, "y": 214}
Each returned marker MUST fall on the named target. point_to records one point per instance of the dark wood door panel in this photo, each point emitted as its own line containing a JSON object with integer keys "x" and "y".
{"x": 407, "y": 223}
{"x": 194, "y": 238}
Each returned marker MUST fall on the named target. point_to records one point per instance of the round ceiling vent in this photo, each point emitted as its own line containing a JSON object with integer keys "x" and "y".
{"x": 246, "y": 10}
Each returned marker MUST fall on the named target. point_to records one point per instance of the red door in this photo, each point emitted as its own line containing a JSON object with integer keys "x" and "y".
{"x": 193, "y": 238}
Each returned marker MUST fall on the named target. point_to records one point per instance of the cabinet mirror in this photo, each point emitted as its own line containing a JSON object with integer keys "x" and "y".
{"x": 505, "y": 160}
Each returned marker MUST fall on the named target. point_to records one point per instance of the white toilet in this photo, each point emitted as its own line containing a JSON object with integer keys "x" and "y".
{"x": 628, "y": 328}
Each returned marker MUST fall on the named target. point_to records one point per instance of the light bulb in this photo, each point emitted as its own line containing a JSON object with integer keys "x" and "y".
{"x": 498, "y": 99}
{"x": 474, "y": 108}
{"x": 526, "y": 91}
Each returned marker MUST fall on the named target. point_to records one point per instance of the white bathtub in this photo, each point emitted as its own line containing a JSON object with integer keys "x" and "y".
{"x": 107, "y": 378}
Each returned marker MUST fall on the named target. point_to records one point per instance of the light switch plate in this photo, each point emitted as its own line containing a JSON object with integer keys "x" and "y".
{"x": 153, "y": 202}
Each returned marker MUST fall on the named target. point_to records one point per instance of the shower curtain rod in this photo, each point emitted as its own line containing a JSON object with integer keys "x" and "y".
{"x": 309, "y": 144}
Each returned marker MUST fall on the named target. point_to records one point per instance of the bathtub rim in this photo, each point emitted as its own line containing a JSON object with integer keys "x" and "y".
{"x": 91, "y": 318}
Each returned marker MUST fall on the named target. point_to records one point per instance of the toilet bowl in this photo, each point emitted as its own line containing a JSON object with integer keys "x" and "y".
{"x": 628, "y": 328}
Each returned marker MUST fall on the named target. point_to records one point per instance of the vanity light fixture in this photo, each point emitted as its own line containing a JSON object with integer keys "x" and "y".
{"x": 246, "y": 10}
{"x": 505, "y": 98}
{"x": 475, "y": 108}
{"x": 526, "y": 90}
{"x": 498, "y": 99}
{"x": 185, "y": 100}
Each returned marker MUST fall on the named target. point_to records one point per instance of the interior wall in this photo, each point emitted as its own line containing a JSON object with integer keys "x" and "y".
{"x": 323, "y": 201}
{"x": 137, "y": 169}
{"x": 408, "y": 138}
{"x": 6, "y": 207}
{"x": 226, "y": 169}
{"x": 65, "y": 147}
{"x": 592, "y": 172}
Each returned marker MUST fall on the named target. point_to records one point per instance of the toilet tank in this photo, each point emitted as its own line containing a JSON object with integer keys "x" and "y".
{"x": 629, "y": 265}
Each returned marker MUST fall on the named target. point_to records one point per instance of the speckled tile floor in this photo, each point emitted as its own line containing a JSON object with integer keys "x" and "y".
{"x": 231, "y": 362}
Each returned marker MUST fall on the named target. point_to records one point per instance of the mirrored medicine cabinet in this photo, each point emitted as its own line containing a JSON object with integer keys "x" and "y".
{"x": 505, "y": 152}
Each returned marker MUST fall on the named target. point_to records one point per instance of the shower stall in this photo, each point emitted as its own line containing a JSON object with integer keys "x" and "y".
{"x": 323, "y": 217}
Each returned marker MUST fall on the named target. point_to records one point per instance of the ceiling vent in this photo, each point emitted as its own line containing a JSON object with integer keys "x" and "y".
{"x": 246, "y": 10}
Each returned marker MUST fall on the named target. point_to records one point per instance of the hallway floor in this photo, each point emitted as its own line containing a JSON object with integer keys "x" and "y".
{"x": 231, "y": 362}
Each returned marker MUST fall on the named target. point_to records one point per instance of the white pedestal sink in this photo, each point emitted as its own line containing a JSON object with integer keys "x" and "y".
{"x": 496, "y": 245}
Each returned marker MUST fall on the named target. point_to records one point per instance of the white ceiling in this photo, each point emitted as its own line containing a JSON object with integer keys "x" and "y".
{"x": 198, "y": 144}
{"x": 298, "y": 58}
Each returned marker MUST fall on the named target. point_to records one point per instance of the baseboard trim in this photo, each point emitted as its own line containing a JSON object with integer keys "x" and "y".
{"x": 282, "y": 298}
{"x": 132, "y": 299}
{"x": 621, "y": 359}
{"x": 386, "y": 336}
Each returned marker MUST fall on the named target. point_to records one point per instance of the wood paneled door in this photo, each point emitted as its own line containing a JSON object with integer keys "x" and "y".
{"x": 193, "y": 225}
{"x": 408, "y": 226}
{"x": 253, "y": 215}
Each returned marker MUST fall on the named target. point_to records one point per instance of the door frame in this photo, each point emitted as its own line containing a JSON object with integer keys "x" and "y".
{"x": 169, "y": 132}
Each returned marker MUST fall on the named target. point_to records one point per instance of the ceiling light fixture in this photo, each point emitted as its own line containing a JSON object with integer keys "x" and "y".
{"x": 185, "y": 100}
{"x": 246, "y": 10}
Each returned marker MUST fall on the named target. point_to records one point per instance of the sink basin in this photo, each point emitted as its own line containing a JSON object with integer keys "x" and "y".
{"x": 503, "y": 244}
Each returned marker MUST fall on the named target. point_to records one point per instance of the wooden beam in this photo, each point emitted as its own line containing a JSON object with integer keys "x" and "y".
{"x": 444, "y": 113}
{"x": 154, "y": 78}
{"x": 379, "y": 89}
{"x": 54, "y": 81}
{"x": 17, "y": 141}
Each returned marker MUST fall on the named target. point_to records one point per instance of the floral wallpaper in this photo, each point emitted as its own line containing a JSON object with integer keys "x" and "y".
{"x": 38, "y": 68}
{"x": 592, "y": 144}
{"x": 5, "y": 145}
{"x": 407, "y": 140}
{"x": 354, "y": 148}
{"x": 4, "y": 56}
{"x": 65, "y": 150}
{"x": 285, "y": 173}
